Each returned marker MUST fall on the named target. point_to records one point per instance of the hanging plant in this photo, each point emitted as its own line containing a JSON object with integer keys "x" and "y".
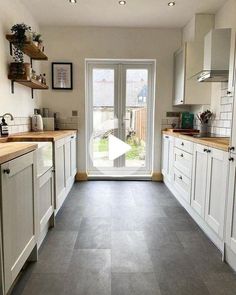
{"x": 19, "y": 31}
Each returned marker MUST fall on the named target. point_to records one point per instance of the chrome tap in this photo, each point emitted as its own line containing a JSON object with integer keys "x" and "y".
{"x": 7, "y": 114}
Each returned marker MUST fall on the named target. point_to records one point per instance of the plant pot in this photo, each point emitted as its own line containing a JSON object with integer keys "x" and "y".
{"x": 19, "y": 70}
{"x": 36, "y": 43}
{"x": 203, "y": 127}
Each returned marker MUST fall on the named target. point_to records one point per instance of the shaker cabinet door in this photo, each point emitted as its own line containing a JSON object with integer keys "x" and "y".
{"x": 18, "y": 214}
{"x": 231, "y": 208}
{"x": 199, "y": 179}
{"x": 216, "y": 190}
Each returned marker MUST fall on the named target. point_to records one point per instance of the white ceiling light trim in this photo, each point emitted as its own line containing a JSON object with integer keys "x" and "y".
{"x": 171, "y": 3}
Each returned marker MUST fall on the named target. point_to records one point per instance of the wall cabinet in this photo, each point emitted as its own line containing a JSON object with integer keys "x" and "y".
{"x": 65, "y": 168}
{"x": 188, "y": 61}
{"x": 19, "y": 215}
{"x": 232, "y": 65}
{"x": 167, "y": 156}
{"x": 209, "y": 187}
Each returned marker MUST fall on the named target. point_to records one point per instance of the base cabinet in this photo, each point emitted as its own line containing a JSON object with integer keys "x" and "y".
{"x": 167, "y": 156}
{"x": 209, "y": 188}
{"x": 19, "y": 215}
{"x": 231, "y": 208}
{"x": 65, "y": 168}
{"x": 199, "y": 181}
{"x": 45, "y": 195}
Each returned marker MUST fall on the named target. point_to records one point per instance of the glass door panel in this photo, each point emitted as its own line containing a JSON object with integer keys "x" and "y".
{"x": 103, "y": 89}
{"x": 136, "y": 117}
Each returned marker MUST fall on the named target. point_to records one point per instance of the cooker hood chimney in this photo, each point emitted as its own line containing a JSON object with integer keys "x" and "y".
{"x": 216, "y": 56}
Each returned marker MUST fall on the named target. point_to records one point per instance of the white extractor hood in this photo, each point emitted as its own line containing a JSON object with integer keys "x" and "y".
{"x": 216, "y": 56}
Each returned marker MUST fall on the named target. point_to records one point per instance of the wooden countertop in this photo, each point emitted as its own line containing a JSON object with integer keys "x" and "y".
{"x": 221, "y": 143}
{"x": 41, "y": 136}
{"x": 12, "y": 150}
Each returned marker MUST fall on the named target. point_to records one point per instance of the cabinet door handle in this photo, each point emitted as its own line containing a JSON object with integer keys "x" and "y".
{"x": 72, "y": 137}
{"x": 208, "y": 151}
{"x": 7, "y": 171}
{"x": 229, "y": 92}
{"x": 166, "y": 136}
{"x": 182, "y": 143}
{"x": 231, "y": 159}
{"x": 205, "y": 150}
{"x": 231, "y": 148}
{"x": 181, "y": 155}
{"x": 180, "y": 177}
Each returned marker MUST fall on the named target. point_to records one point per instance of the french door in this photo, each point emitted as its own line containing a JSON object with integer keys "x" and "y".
{"x": 120, "y": 111}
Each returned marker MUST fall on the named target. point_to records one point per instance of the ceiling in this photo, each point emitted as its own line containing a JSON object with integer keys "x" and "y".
{"x": 136, "y": 13}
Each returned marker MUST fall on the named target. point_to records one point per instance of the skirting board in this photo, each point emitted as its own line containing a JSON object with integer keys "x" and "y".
{"x": 81, "y": 176}
{"x": 157, "y": 176}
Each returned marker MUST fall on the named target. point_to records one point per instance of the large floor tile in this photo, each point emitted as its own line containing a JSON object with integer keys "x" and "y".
{"x": 53, "y": 260}
{"x": 44, "y": 284}
{"x": 134, "y": 284}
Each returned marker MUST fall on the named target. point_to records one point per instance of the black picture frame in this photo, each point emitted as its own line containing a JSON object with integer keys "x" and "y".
{"x": 62, "y": 71}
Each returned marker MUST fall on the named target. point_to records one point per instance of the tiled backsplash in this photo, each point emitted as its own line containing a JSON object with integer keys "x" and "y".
{"x": 19, "y": 124}
{"x": 23, "y": 124}
{"x": 221, "y": 122}
{"x": 168, "y": 121}
{"x": 67, "y": 123}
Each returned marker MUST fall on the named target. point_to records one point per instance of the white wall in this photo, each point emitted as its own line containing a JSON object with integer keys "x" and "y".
{"x": 19, "y": 104}
{"x": 74, "y": 44}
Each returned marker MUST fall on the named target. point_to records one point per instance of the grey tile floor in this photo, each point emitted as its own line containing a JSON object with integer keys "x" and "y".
{"x": 126, "y": 238}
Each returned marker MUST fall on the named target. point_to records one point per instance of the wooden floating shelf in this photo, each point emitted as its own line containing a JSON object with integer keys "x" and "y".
{"x": 31, "y": 83}
{"x": 29, "y": 48}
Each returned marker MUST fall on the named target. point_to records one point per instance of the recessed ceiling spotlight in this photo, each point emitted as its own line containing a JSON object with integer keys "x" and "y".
{"x": 73, "y": 1}
{"x": 122, "y": 2}
{"x": 171, "y": 3}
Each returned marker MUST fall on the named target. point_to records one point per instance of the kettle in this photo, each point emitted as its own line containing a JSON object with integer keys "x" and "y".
{"x": 37, "y": 123}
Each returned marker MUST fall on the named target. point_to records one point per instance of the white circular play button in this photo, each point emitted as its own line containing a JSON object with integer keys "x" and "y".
{"x": 117, "y": 147}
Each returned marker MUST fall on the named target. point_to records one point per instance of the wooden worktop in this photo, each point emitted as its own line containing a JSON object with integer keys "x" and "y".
{"x": 12, "y": 150}
{"x": 42, "y": 135}
{"x": 221, "y": 143}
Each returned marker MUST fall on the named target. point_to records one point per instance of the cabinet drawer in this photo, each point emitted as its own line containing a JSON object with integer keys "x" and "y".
{"x": 184, "y": 145}
{"x": 183, "y": 162}
{"x": 182, "y": 184}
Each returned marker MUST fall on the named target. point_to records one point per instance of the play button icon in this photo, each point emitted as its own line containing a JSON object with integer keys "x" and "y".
{"x": 117, "y": 147}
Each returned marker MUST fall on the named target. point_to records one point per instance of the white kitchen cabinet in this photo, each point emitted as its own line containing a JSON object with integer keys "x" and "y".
{"x": 65, "y": 168}
{"x": 209, "y": 188}
{"x": 232, "y": 65}
{"x": 45, "y": 201}
{"x": 182, "y": 185}
{"x": 67, "y": 152}
{"x": 167, "y": 156}
{"x": 18, "y": 215}
{"x": 73, "y": 154}
{"x": 183, "y": 162}
{"x": 216, "y": 191}
{"x": 60, "y": 188}
{"x": 231, "y": 208}
{"x": 188, "y": 61}
{"x": 179, "y": 75}
{"x": 199, "y": 179}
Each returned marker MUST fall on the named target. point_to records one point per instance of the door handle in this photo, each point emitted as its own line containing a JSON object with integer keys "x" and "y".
{"x": 7, "y": 171}
{"x": 231, "y": 159}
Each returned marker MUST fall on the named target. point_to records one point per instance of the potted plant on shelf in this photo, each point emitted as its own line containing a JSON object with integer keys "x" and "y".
{"x": 204, "y": 118}
{"x": 37, "y": 39}
{"x": 18, "y": 68}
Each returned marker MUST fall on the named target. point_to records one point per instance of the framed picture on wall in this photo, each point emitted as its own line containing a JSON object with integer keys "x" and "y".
{"x": 62, "y": 75}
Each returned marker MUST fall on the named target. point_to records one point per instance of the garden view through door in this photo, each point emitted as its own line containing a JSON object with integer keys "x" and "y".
{"x": 121, "y": 101}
